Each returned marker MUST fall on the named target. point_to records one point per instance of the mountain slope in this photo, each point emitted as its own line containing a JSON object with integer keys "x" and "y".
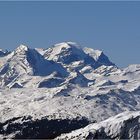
{"x": 122, "y": 126}
{"x": 71, "y": 55}
{"x": 20, "y": 67}
{"x": 25, "y": 62}
{"x": 99, "y": 57}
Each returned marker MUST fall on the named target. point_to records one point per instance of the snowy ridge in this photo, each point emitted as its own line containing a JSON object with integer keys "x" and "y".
{"x": 65, "y": 52}
{"x": 25, "y": 63}
{"x": 99, "y": 57}
{"x": 122, "y": 126}
{"x": 94, "y": 53}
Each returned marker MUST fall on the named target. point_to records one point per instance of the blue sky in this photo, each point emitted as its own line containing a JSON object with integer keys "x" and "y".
{"x": 113, "y": 27}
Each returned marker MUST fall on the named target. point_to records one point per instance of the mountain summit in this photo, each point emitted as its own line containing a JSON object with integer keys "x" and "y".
{"x": 66, "y": 53}
{"x": 73, "y": 56}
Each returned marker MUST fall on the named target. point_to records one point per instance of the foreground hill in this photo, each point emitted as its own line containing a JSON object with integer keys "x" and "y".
{"x": 122, "y": 126}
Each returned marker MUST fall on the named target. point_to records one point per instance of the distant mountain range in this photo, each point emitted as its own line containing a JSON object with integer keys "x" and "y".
{"x": 63, "y": 60}
{"x": 45, "y": 93}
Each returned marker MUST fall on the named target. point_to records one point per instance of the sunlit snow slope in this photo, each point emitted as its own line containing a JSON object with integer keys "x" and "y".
{"x": 67, "y": 85}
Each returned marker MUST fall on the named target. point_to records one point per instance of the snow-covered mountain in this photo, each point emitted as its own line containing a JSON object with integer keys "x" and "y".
{"x": 67, "y": 85}
{"x": 73, "y": 56}
{"x": 20, "y": 67}
{"x": 25, "y": 63}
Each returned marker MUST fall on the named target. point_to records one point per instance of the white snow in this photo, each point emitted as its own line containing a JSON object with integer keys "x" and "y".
{"x": 124, "y": 125}
{"x": 94, "y": 53}
{"x": 78, "y": 88}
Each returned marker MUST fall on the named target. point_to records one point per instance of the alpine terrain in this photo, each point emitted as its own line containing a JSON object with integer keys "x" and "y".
{"x": 67, "y": 92}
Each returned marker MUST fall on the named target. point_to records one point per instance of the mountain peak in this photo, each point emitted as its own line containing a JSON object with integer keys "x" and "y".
{"x": 65, "y": 52}
{"x": 67, "y": 45}
{"x": 70, "y": 52}
{"x": 94, "y": 53}
{"x": 58, "y": 48}
{"x": 99, "y": 57}
{"x": 21, "y": 48}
